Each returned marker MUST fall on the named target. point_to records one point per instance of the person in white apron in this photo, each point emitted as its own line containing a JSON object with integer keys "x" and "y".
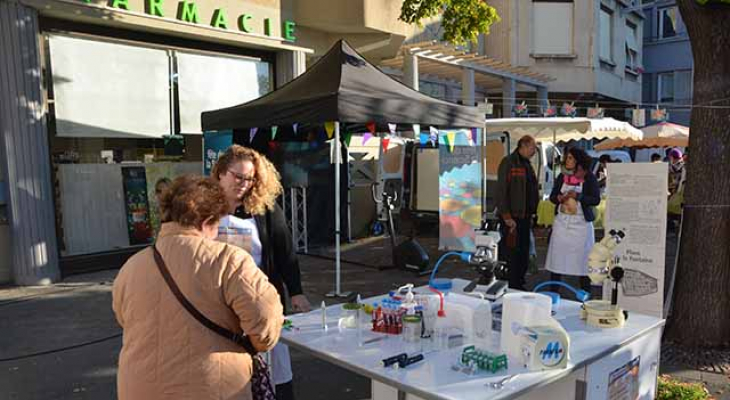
{"x": 257, "y": 224}
{"x": 575, "y": 194}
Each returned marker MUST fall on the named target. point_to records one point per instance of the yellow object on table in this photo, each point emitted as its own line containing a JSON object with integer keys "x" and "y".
{"x": 546, "y": 213}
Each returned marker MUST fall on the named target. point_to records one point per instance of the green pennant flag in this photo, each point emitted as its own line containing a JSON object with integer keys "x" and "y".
{"x": 273, "y": 132}
{"x": 348, "y": 137}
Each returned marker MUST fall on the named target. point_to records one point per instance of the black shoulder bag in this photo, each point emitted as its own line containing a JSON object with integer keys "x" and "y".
{"x": 261, "y": 387}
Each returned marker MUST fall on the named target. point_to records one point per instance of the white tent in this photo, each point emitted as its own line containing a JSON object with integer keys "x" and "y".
{"x": 563, "y": 129}
{"x": 663, "y": 134}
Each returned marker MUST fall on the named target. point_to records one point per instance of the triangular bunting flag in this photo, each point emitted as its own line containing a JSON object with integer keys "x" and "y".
{"x": 330, "y": 128}
{"x": 366, "y": 136}
{"x": 348, "y": 138}
{"x": 371, "y": 127}
{"x": 385, "y": 141}
{"x": 451, "y": 140}
{"x": 252, "y": 134}
{"x": 392, "y": 128}
{"x": 423, "y": 138}
{"x": 294, "y": 127}
{"x": 416, "y": 130}
{"x": 433, "y": 136}
{"x": 273, "y": 132}
{"x": 273, "y": 145}
{"x": 474, "y": 136}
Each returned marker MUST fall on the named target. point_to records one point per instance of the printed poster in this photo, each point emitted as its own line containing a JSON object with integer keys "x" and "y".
{"x": 460, "y": 191}
{"x": 215, "y": 143}
{"x": 637, "y": 205}
{"x": 134, "y": 181}
{"x": 623, "y": 383}
{"x": 156, "y": 171}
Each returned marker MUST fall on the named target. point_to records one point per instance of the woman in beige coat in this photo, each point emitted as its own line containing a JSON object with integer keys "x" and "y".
{"x": 168, "y": 354}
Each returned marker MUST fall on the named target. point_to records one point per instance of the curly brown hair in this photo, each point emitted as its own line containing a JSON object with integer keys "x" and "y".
{"x": 267, "y": 186}
{"x": 191, "y": 200}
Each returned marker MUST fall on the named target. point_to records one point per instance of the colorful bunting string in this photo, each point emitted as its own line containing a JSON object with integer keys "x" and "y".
{"x": 371, "y": 127}
{"x": 348, "y": 138}
{"x": 385, "y": 141}
{"x": 423, "y": 139}
{"x": 392, "y": 128}
{"x": 416, "y": 130}
{"x": 252, "y": 134}
{"x": 451, "y": 140}
{"x": 295, "y": 127}
{"x": 273, "y": 132}
{"x": 330, "y": 128}
{"x": 365, "y": 137}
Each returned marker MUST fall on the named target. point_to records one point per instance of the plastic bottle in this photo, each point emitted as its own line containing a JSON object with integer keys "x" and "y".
{"x": 482, "y": 322}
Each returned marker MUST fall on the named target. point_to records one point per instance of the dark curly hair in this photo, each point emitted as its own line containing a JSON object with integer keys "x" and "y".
{"x": 582, "y": 159}
{"x": 191, "y": 200}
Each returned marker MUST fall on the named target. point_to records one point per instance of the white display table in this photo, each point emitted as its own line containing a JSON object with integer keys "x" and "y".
{"x": 596, "y": 356}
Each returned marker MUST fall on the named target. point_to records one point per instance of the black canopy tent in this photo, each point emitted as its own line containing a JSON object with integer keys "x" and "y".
{"x": 342, "y": 87}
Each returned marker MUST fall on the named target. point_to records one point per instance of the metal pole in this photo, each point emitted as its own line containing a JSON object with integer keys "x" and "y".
{"x": 337, "y": 208}
{"x": 337, "y": 162}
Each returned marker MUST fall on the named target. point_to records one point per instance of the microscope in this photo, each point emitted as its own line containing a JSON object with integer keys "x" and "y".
{"x": 603, "y": 265}
{"x": 492, "y": 272}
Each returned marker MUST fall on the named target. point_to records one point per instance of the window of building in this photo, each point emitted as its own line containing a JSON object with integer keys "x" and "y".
{"x": 606, "y": 34}
{"x": 665, "y": 87}
{"x": 632, "y": 47}
{"x": 683, "y": 87}
{"x": 669, "y": 23}
{"x": 675, "y": 87}
{"x": 552, "y": 24}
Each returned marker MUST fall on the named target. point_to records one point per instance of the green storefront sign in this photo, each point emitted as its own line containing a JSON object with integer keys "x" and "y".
{"x": 187, "y": 11}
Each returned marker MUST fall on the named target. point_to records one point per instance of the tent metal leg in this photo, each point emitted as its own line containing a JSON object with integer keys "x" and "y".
{"x": 338, "y": 160}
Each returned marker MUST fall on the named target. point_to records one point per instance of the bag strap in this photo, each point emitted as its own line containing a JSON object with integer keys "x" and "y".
{"x": 241, "y": 340}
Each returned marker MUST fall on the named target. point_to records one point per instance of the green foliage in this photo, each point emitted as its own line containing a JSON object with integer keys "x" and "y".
{"x": 670, "y": 389}
{"x": 462, "y": 20}
{"x": 704, "y": 2}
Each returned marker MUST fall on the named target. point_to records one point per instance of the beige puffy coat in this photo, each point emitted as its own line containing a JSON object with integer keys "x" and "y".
{"x": 166, "y": 353}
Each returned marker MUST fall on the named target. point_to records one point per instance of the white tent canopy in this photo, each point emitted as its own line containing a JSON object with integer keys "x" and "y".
{"x": 563, "y": 129}
{"x": 663, "y": 134}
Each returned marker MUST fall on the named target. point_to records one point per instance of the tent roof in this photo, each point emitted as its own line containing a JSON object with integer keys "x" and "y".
{"x": 343, "y": 86}
{"x": 563, "y": 129}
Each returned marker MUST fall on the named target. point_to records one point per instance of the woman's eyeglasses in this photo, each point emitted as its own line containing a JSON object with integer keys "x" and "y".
{"x": 242, "y": 178}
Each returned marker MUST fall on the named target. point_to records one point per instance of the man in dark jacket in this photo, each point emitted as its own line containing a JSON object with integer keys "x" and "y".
{"x": 517, "y": 198}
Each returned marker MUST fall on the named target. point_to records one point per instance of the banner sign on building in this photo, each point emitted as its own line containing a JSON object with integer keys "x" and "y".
{"x": 637, "y": 205}
{"x": 460, "y": 191}
{"x": 134, "y": 181}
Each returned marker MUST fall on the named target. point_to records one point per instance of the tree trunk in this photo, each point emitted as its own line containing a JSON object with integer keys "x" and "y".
{"x": 701, "y": 308}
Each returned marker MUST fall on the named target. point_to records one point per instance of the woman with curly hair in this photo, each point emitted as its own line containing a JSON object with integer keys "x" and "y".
{"x": 576, "y": 192}
{"x": 252, "y": 184}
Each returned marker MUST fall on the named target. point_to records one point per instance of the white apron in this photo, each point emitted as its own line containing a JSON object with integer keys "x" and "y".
{"x": 571, "y": 241}
{"x": 245, "y": 234}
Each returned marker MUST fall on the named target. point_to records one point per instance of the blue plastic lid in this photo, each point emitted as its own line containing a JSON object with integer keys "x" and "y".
{"x": 441, "y": 284}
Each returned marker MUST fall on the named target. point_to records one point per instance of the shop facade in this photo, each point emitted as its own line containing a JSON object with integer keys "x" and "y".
{"x": 103, "y": 100}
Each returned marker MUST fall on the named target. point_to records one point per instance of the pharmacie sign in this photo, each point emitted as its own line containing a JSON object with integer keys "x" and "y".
{"x": 188, "y": 11}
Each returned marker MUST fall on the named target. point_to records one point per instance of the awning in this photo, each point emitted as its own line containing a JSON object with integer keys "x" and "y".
{"x": 664, "y": 134}
{"x": 447, "y": 62}
{"x": 564, "y": 129}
